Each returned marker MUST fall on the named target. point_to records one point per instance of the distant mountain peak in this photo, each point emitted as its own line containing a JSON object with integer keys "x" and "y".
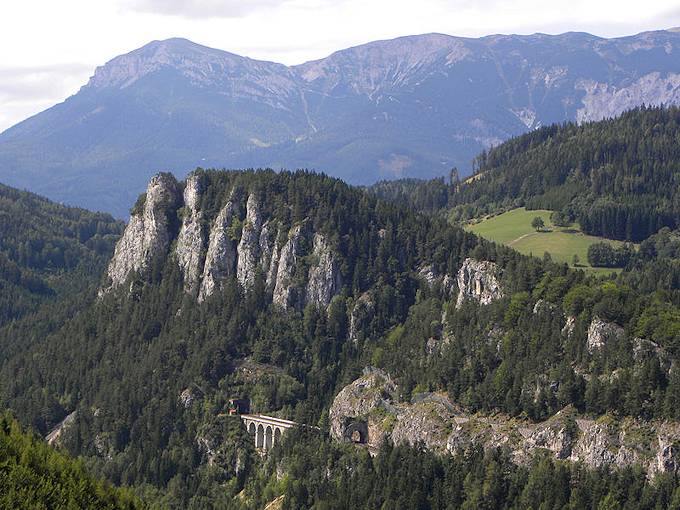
{"x": 201, "y": 64}
{"x": 412, "y": 106}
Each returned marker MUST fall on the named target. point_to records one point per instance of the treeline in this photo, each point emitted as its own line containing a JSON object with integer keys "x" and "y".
{"x": 33, "y": 475}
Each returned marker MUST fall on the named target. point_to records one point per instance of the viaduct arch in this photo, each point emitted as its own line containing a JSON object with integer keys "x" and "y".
{"x": 266, "y": 430}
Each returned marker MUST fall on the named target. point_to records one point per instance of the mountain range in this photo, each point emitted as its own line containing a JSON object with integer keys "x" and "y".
{"x": 409, "y": 107}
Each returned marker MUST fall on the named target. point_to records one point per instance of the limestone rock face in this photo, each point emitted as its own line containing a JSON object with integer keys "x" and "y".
{"x": 569, "y": 326}
{"x": 478, "y": 280}
{"x": 594, "y": 446}
{"x": 323, "y": 281}
{"x": 667, "y": 458}
{"x": 267, "y": 244}
{"x": 190, "y": 241}
{"x": 428, "y": 421}
{"x": 302, "y": 270}
{"x": 367, "y": 411}
{"x": 601, "y": 332}
{"x": 147, "y": 235}
{"x": 273, "y": 268}
{"x": 220, "y": 259}
{"x": 354, "y": 408}
{"x": 248, "y": 250}
{"x": 434, "y": 279}
{"x": 286, "y": 294}
{"x": 557, "y": 439}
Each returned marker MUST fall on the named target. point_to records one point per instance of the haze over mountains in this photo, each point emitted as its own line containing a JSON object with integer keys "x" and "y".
{"x": 413, "y": 106}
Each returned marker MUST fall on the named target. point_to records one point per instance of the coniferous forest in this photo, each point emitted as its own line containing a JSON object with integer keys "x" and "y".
{"x": 146, "y": 370}
{"x": 618, "y": 178}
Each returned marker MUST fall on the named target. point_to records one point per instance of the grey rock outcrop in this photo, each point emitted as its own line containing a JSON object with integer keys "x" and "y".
{"x": 478, "y": 280}
{"x": 287, "y": 293}
{"x": 273, "y": 268}
{"x": 543, "y": 306}
{"x": 428, "y": 421}
{"x": 268, "y": 235}
{"x": 190, "y": 241}
{"x": 248, "y": 250}
{"x": 367, "y": 411}
{"x": 667, "y": 458}
{"x": 323, "y": 281}
{"x": 53, "y": 436}
{"x": 147, "y": 234}
{"x": 220, "y": 259}
{"x": 361, "y": 407}
{"x": 601, "y": 332}
{"x": 434, "y": 279}
{"x": 569, "y": 326}
{"x": 303, "y": 269}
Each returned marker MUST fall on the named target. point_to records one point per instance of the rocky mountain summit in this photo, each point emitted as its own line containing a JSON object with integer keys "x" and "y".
{"x": 409, "y": 107}
{"x": 369, "y": 411}
{"x": 239, "y": 242}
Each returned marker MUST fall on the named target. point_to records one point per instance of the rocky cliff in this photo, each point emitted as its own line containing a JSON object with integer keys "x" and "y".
{"x": 190, "y": 240}
{"x": 367, "y": 412}
{"x": 600, "y": 333}
{"x": 478, "y": 280}
{"x": 148, "y": 234}
{"x": 298, "y": 266}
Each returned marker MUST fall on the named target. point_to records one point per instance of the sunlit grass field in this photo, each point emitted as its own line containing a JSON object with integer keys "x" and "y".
{"x": 514, "y": 229}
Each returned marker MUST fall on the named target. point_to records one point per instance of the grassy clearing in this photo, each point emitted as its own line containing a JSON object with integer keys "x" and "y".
{"x": 513, "y": 228}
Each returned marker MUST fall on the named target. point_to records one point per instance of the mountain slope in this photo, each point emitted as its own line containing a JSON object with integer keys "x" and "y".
{"x": 48, "y": 251}
{"x": 33, "y": 475}
{"x": 413, "y": 106}
{"x": 284, "y": 287}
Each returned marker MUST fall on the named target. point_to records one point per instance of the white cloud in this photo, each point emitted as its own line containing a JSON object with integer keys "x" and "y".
{"x": 201, "y": 8}
{"x": 58, "y": 44}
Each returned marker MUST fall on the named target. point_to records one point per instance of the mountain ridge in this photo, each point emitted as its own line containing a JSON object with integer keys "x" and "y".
{"x": 413, "y": 106}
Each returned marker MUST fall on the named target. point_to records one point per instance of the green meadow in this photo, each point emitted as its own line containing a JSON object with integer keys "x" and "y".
{"x": 514, "y": 229}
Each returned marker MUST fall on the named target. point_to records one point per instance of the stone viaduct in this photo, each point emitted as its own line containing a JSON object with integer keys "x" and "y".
{"x": 266, "y": 430}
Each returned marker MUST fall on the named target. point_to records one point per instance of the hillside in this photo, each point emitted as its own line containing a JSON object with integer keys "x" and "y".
{"x": 48, "y": 251}
{"x": 33, "y": 475}
{"x": 302, "y": 293}
{"x": 617, "y": 178}
{"x": 563, "y": 243}
{"x": 409, "y": 107}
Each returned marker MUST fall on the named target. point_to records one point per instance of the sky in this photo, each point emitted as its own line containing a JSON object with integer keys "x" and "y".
{"x": 49, "y": 49}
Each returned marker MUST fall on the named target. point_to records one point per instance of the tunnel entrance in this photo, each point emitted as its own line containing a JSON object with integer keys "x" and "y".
{"x": 356, "y": 432}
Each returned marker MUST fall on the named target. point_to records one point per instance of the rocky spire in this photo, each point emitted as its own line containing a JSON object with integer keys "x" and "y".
{"x": 286, "y": 294}
{"x": 147, "y": 235}
{"x": 220, "y": 259}
{"x": 478, "y": 280}
{"x": 248, "y": 250}
{"x": 190, "y": 241}
{"x": 324, "y": 276}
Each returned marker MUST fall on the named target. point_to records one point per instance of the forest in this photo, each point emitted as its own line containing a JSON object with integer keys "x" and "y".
{"x": 121, "y": 362}
{"x": 33, "y": 475}
{"x": 618, "y": 178}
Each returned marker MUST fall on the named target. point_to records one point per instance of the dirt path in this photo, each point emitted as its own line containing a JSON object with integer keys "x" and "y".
{"x": 523, "y": 236}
